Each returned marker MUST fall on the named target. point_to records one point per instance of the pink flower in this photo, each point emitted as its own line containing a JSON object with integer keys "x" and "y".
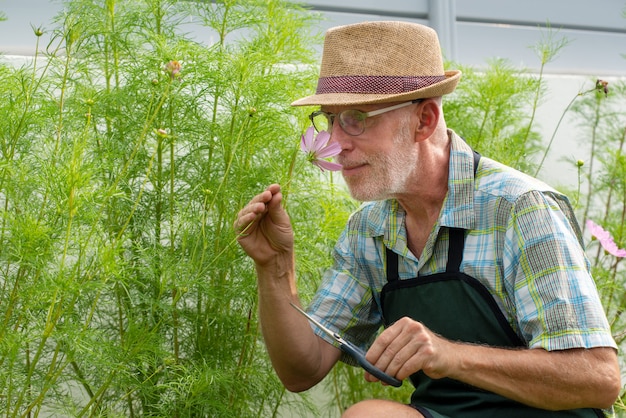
{"x": 606, "y": 240}
{"x": 318, "y": 148}
{"x": 172, "y": 68}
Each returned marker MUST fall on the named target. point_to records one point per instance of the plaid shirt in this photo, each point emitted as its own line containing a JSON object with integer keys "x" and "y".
{"x": 524, "y": 245}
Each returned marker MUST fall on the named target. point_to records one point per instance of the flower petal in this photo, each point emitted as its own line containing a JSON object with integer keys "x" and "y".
{"x": 306, "y": 143}
{"x": 606, "y": 240}
{"x": 329, "y": 151}
{"x": 597, "y": 231}
{"x": 321, "y": 140}
{"x": 611, "y": 247}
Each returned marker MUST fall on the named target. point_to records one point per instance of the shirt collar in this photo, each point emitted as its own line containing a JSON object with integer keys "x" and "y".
{"x": 458, "y": 205}
{"x": 387, "y": 217}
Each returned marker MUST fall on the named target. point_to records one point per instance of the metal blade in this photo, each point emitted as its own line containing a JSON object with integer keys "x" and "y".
{"x": 322, "y": 327}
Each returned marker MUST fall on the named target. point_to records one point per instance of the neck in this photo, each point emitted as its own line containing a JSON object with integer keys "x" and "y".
{"x": 423, "y": 202}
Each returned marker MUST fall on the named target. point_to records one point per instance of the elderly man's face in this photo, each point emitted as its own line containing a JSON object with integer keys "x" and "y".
{"x": 378, "y": 163}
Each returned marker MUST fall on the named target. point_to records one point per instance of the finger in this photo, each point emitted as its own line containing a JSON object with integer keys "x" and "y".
{"x": 275, "y": 199}
{"x": 376, "y": 353}
{"x": 275, "y": 211}
{"x": 243, "y": 224}
{"x": 373, "y": 379}
{"x": 267, "y": 201}
{"x": 273, "y": 188}
{"x": 408, "y": 360}
{"x": 370, "y": 377}
{"x": 247, "y": 216}
{"x": 397, "y": 349}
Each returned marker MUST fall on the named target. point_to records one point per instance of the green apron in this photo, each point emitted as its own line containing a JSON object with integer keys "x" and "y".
{"x": 459, "y": 308}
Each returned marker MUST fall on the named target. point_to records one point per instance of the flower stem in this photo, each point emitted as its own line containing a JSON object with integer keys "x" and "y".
{"x": 286, "y": 188}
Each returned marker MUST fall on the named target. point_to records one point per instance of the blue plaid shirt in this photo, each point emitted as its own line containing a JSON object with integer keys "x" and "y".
{"x": 524, "y": 245}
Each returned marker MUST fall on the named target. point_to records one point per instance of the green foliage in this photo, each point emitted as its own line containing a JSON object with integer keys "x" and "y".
{"x": 490, "y": 110}
{"x": 343, "y": 376}
{"x": 126, "y": 152}
{"x": 602, "y": 123}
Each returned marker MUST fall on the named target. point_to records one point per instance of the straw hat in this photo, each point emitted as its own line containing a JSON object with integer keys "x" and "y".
{"x": 380, "y": 62}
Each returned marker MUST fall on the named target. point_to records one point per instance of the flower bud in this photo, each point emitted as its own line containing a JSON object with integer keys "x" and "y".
{"x": 172, "y": 68}
{"x": 602, "y": 86}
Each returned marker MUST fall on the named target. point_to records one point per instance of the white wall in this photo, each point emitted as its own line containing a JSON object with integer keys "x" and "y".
{"x": 470, "y": 31}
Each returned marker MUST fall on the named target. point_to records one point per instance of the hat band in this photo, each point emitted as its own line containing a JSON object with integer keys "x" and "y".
{"x": 375, "y": 84}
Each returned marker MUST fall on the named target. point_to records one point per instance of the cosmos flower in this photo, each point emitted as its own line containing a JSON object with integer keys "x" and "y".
{"x": 172, "y": 68}
{"x": 606, "y": 240}
{"x": 317, "y": 149}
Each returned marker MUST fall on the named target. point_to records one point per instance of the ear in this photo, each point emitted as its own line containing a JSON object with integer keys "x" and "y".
{"x": 428, "y": 113}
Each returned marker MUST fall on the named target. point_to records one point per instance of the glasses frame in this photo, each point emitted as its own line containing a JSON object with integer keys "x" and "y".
{"x": 331, "y": 116}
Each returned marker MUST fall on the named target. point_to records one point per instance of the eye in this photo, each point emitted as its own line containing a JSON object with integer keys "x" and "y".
{"x": 352, "y": 117}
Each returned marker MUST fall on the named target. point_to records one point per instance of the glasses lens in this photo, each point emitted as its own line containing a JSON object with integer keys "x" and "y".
{"x": 352, "y": 121}
{"x": 320, "y": 121}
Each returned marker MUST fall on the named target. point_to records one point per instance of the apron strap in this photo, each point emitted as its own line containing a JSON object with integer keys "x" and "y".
{"x": 476, "y": 161}
{"x": 392, "y": 265}
{"x": 455, "y": 255}
{"x": 456, "y": 242}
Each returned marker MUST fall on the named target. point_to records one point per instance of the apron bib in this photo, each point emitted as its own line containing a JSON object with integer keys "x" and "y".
{"x": 457, "y": 307}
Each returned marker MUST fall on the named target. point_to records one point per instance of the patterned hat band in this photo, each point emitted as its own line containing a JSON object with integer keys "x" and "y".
{"x": 375, "y": 84}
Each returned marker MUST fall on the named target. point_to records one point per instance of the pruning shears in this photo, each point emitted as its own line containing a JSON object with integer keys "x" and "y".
{"x": 355, "y": 352}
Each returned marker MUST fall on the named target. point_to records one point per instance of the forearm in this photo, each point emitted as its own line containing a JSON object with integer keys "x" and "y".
{"x": 300, "y": 358}
{"x": 557, "y": 380}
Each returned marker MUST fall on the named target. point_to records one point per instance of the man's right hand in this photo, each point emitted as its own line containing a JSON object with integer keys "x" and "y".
{"x": 263, "y": 227}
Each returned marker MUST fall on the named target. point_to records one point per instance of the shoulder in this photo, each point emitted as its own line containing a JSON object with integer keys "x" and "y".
{"x": 507, "y": 183}
{"x": 516, "y": 197}
{"x": 496, "y": 182}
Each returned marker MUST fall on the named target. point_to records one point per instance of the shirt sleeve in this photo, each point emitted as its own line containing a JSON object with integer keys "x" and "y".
{"x": 344, "y": 302}
{"x": 557, "y": 303}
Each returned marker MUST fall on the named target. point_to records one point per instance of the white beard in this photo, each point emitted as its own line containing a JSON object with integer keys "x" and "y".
{"x": 388, "y": 174}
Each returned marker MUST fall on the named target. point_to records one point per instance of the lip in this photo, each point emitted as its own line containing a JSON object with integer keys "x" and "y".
{"x": 348, "y": 170}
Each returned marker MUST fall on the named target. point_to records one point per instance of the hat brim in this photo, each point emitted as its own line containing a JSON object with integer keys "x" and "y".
{"x": 340, "y": 99}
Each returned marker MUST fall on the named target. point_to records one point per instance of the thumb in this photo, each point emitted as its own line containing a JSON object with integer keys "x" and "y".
{"x": 275, "y": 210}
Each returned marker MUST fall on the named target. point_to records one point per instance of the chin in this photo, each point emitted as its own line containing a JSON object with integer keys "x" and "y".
{"x": 367, "y": 195}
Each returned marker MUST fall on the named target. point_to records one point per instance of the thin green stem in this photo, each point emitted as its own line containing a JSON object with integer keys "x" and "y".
{"x": 556, "y": 129}
{"x": 286, "y": 188}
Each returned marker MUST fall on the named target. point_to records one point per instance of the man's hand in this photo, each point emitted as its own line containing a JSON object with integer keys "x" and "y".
{"x": 263, "y": 226}
{"x": 553, "y": 380}
{"x": 408, "y": 346}
{"x": 301, "y": 358}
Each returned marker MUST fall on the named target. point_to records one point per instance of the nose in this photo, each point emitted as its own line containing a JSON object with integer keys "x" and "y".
{"x": 337, "y": 134}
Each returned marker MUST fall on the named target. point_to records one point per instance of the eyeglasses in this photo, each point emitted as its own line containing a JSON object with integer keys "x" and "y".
{"x": 352, "y": 121}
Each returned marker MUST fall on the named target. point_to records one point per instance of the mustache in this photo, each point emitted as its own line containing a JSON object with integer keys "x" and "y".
{"x": 350, "y": 162}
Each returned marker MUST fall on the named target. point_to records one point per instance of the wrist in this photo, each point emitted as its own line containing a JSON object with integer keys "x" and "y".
{"x": 278, "y": 269}
{"x": 276, "y": 262}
